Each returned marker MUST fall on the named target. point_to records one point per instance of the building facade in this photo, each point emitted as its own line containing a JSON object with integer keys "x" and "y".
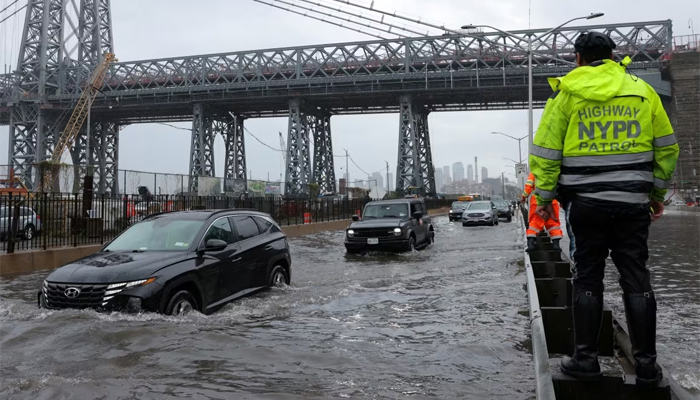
{"x": 458, "y": 171}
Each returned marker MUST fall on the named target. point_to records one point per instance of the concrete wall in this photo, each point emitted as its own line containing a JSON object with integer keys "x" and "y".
{"x": 30, "y": 261}
{"x": 684, "y": 112}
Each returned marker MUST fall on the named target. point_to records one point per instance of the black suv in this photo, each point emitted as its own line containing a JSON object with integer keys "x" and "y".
{"x": 173, "y": 263}
{"x": 390, "y": 225}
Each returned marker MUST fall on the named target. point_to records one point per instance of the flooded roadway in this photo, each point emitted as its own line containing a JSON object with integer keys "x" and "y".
{"x": 441, "y": 323}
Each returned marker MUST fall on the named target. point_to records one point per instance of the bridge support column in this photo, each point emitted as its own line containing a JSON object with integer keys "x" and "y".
{"x": 324, "y": 170}
{"x": 202, "y": 146}
{"x": 298, "y": 169}
{"x": 234, "y": 138}
{"x": 104, "y": 148}
{"x": 33, "y": 134}
{"x": 415, "y": 161}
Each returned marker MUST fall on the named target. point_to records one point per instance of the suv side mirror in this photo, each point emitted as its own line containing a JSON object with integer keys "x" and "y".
{"x": 215, "y": 245}
{"x": 355, "y": 217}
{"x": 417, "y": 215}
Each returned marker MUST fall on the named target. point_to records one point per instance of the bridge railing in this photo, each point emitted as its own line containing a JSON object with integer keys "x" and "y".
{"x": 686, "y": 43}
{"x": 644, "y": 42}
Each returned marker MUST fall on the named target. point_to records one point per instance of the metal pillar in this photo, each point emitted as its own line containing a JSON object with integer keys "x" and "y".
{"x": 298, "y": 170}
{"x": 41, "y": 51}
{"x": 234, "y": 138}
{"x": 324, "y": 170}
{"x": 202, "y": 146}
{"x": 95, "y": 31}
{"x": 415, "y": 161}
{"x": 104, "y": 155}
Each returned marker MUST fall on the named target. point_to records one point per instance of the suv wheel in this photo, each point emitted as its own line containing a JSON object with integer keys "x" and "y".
{"x": 278, "y": 277}
{"x": 411, "y": 244}
{"x": 181, "y": 303}
{"x": 28, "y": 233}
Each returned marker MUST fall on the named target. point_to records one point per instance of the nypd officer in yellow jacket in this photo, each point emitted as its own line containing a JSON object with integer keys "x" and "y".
{"x": 606, "y": 150}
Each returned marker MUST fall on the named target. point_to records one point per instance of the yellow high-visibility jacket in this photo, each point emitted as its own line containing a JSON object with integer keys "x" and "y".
{"x": 604, "y": 135}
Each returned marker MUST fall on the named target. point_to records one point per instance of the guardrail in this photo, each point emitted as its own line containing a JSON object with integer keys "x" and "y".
{"x": 544, "y": 387}
{"x": 59, "y": 220}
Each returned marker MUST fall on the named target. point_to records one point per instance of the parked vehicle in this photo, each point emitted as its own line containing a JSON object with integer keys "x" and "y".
{"x": 504, "y": 210}
{"x": 480, "y": 213}
{"x": 28, "y": 226}
{"x": 456, "y": 210}
{"x": 174, "y": 263}
{"x": 390, "y": 225}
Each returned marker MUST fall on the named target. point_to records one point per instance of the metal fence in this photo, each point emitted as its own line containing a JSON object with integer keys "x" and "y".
{"x": 58, "y": 220}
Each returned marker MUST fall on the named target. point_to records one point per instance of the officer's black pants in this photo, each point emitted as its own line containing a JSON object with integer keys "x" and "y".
{"x": 595, "y": 232}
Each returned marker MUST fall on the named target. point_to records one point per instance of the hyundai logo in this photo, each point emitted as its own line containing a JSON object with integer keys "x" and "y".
{"x": 72, "y": 292}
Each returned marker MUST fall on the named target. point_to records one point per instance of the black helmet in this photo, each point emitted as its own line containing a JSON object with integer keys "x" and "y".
{"x": 592, "y": 41}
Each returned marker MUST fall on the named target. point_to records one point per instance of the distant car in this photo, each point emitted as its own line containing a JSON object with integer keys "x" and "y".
{"x": 504, "y": 210}
{"x": 456, "y": 210}
{"x": 480, "y": 213}
{"x": 390, "y": 225}
{"x": 28, "y": 226}
{"x": 173, "y": 263}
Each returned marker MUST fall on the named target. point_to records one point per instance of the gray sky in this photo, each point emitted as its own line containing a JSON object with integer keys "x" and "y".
{"x": 146, "y": 29}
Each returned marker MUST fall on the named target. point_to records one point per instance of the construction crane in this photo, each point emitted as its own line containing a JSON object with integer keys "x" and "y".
{"x": 77, "y": 118}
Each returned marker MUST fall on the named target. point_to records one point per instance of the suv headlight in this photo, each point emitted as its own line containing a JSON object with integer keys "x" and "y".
{"x": 351, "y": 233}
{"x": 397, "y": 231}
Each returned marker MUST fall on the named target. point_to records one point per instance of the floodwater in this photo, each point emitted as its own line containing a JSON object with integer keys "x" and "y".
{"x": 674, "y": 261}
{"x": 444, "y": 323}
{"x": 439, "y": 323}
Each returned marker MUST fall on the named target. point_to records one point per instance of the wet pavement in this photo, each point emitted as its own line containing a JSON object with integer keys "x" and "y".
{"x": 441, "y": 323}
{"x": 674, "y": 261}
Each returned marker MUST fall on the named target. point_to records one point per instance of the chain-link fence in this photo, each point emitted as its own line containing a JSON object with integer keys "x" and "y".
{"x": 67, "y": 178}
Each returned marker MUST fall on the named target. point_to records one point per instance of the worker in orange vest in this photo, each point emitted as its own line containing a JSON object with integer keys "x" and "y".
{"x": 536, "y": 223}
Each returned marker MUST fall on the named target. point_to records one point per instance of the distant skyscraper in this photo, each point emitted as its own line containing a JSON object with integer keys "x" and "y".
{"x": 470, "y": 173}
{"x": 484, "y": 173}
{"x": 390, "y": 182}
{"x": 447, "y": 179}
{"x": 377, "y": 180}
{"x": 458, "y": 171}
{"x": 439, "y": 180}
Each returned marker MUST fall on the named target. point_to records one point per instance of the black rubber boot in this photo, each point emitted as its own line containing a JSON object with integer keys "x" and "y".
{"x": 640, "y": 309}
{"x": 555, "y": 244}
{"x": 531, "y": 242}
{"x": 588, "y": 317}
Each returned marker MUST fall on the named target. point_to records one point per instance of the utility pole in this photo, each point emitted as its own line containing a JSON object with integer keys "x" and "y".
{"x": 388, "y": 186}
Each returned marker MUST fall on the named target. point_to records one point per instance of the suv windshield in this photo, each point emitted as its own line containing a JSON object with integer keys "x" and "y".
{"x": 479, "y": 206}
{"x": 459, "y": 204}
{"x": 397, "y": 210}
{"x": 158, "y": 234}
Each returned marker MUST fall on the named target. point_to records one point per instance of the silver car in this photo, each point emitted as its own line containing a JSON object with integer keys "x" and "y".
{"x": 28, "y": 226}
{"x": 480, "y": 213}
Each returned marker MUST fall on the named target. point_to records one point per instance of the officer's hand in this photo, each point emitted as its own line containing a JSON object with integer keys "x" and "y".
{"x": 546, "y": 212}
{"x": 657, "y": 210}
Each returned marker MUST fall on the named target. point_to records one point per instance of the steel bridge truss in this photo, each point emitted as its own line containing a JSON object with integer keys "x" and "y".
{"x": 646, "y": 43}
{"x": 43, "y": 61}
{"x": 49, "y": 75}
{"x": 415, "y": 161}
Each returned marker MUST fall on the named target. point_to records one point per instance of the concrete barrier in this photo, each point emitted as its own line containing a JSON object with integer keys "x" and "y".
{"x": 38, "y": 260}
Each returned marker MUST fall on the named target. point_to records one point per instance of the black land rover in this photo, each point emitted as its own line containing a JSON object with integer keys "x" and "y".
{"x": 174, "y": 263}
{"x": 390, "y": 225}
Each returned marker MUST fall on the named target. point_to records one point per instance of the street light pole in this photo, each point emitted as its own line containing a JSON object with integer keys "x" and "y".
{"x": 529, "y": 64}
